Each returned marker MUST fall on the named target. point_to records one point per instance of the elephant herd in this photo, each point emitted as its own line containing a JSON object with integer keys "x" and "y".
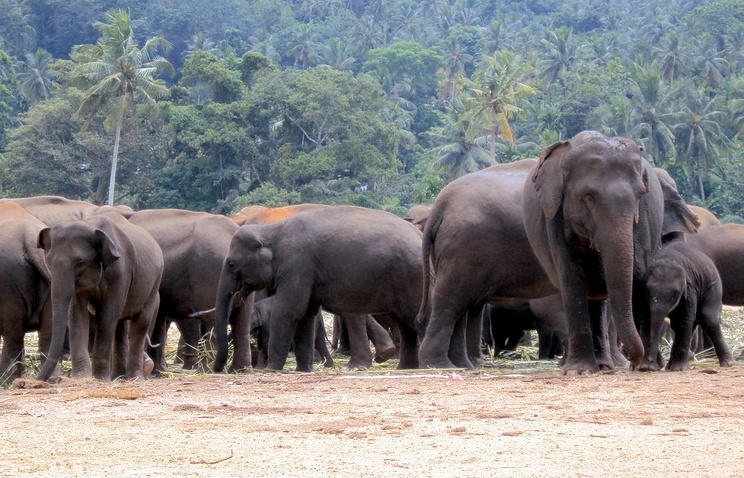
{"x": 589, "y": 239}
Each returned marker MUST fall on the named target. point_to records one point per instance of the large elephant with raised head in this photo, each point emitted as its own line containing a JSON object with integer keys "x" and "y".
{"x": 595, "y": 212}
{"x": 24, "y": 290}
{"x": 344, "y": 259}
{"x": 194, "y": 245}
{"x": 109, "y": 266}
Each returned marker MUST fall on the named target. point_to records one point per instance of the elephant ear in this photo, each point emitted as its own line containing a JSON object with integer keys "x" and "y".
{"x": 548, "y": 178}
{"x": 45, "y": 239}
{"x": 109, "y": 250}
{"x": 677, "y": 216}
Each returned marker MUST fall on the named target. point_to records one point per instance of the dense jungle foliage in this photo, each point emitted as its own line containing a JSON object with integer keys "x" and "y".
{"x": 215, "y": 105}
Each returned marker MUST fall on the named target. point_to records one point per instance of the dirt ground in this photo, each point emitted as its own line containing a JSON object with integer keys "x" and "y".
{"x": 514, "y": 418}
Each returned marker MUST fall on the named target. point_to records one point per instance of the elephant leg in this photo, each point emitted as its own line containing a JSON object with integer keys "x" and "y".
{"x": 13, "y": 362}
{"x": 709, "y": 319}
{"x": 138, "y": 328}
{"x": 383, "y": 343}
{"x": 361, "y": 354}
{"x": 120, "y": 349}
{"x": 600, "y": 334}
{"x": 281, "y": 314}
{"x": 458, "y": 349}
{"x": 240, "y": 325}
{"x": 188, "y": 342}
{"x": 304, "y": 341}
{"x": 78, "y": 330}
{"x": 682, "y": 318}
{"x": 440, "y": 330}
{"x": 473, "y": 336}
{"x": 409, "y": 352}
{"x": 342, "y": 347}
{"x": 321, "y": 342}
{"x": 158, "y": 339}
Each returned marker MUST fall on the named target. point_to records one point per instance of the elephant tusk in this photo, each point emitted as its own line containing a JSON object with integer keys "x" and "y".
{"x": 201, "y": 313}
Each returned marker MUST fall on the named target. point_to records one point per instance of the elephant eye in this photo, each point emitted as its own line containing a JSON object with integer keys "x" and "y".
{"x": 589, "y": 198}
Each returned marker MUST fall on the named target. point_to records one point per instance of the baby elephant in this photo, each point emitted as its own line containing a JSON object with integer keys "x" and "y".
{"x": 683, "y": 283}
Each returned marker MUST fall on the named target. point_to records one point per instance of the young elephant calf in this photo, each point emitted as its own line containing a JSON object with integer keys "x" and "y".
{"x": 683, "y": 283}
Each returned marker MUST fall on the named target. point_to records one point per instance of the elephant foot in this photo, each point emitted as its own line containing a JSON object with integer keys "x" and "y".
{"x": 580, "y": 367}
{"x": 477, "y": 361}
{"x": 356, "y": 367}
{"x": 647, "y": 366}
{"x": 147, "y": 365}
{"x": 385, "y": 354}
{"x": 677, "y": 367}
{"x": 726, "y": 361}
{"x": 442, "y": 363}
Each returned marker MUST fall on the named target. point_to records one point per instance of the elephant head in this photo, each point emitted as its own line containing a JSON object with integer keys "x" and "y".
{"x": 77, "y": 256}
{"x": 248, "y": 266}
{"x": 665, "y": 285}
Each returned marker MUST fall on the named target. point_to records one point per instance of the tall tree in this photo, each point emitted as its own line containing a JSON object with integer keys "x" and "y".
{"x": 495, "y": 91}
{"x": 117, "y": 74}
{"x": 35, "y": 77}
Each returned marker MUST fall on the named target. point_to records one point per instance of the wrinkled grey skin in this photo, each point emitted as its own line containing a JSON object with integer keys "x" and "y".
{"x": 595, "y": 212}
{"x": 683, "y": 283}
{"x": 110, "y": 266}
{"x": 24, "y": 290}
{"x": 55, "y": 209}
{"x": 194, "y": 245}
{"x": 345, "y": 259}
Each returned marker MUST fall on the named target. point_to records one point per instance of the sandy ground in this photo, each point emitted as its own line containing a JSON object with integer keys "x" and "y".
{"x": 505, "y": 420}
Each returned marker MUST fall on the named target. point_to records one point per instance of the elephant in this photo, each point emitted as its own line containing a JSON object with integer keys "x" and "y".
{"x": 55, "y": 209}
{"x": 24, "y": 290}
{"x": 194, "y": 245}
{"x": 683, "y": 283}
{"x": 595, "y": 212}
{"x": 108, "y": 265}
{"x": 360, "y": 354}
{"x": 418, "y": 214}
{"x": 475, "y": 251}
{"x": 345, "y": 259}
{"x": 705, "y": 217}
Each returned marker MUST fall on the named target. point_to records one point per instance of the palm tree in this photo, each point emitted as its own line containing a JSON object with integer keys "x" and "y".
{"x": 456, "y": 57}
{"x": 337, "y": 54}
{"x": 303, "y": 47}
{"x": 559, "y": 54}
{"x": 36, "y": 81}
{"x": 651, "y": 98}
{"x": 118, "y": 73}
{"x": 699, "y": 134}
{"x": 494, "y": 92}
{"x": 671, "y": 58}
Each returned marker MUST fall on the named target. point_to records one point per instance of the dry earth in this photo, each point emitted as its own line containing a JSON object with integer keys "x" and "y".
{"x": 515, "y": 418}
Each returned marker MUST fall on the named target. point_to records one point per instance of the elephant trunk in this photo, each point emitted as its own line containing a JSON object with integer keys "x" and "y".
{"x": 226, "y": 287}
{"x": 617, "y": 253}
{"x": 62, "y": 292}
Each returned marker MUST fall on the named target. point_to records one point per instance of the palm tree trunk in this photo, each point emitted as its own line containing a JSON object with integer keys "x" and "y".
{"x": 114, "y": 161}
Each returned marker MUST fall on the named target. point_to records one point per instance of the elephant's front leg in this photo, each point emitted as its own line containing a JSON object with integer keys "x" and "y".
{"x": 79, "y": 334}
{"x": 682, "y": 321}
{"x": 107, "y": 321}
{"x": 138, "y": 329}
{"x": 280, "y": 314}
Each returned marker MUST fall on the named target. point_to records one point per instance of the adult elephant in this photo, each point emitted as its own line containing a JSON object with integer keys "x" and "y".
{"x": 595, "y": 212}
{"x": 52, "y": 210}
{"x": 475, "y": 251}
{"x": 113, "y": 267}
{"x": 24, "y": 290}
{"x": 361, "y": 329}
{"x": 194, "y": 245}
{"x": 724, "y": 244}
{"x": 345, "y": 259}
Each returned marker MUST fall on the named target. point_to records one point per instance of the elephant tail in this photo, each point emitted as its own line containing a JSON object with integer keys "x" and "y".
{"x": 429, "y": 236}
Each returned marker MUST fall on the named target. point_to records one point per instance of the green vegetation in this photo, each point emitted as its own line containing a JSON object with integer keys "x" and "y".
{"x": 215, "y": 106}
